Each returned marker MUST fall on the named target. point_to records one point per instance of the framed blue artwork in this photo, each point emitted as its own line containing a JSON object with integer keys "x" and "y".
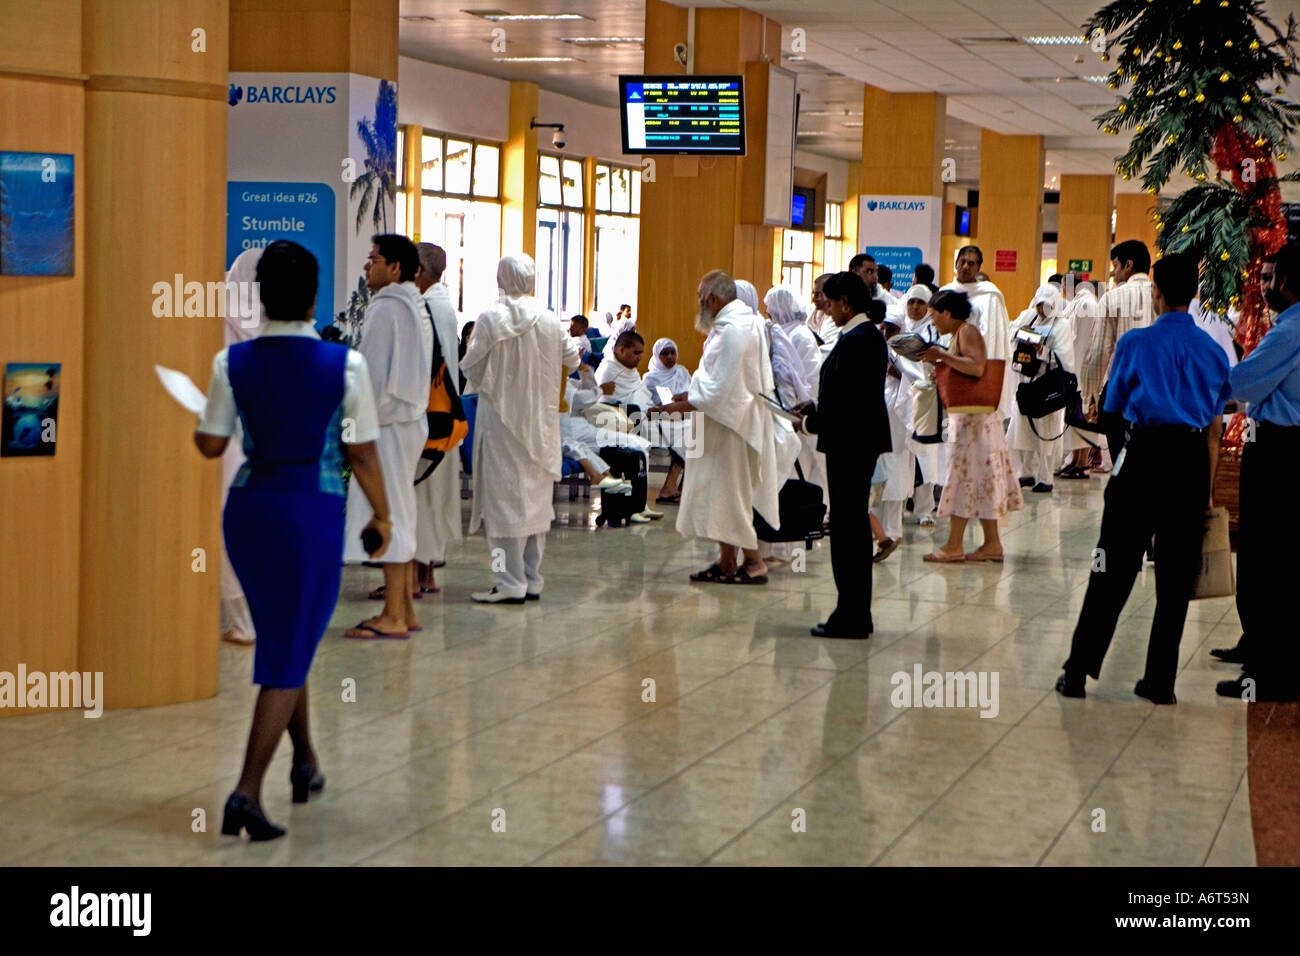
{"x": 31, "y": 409}
{"x": 37, "y": 217}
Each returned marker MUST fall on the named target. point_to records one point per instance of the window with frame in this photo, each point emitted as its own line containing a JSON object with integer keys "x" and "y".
{"x": 797, "y": 261}
{"x": 618, "y": 235}
{"x": 560, "y": 233}
{"x": 833, "y": 248}
{"x": 459, "y": 179}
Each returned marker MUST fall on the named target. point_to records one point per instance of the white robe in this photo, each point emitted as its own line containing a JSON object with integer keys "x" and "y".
{"x": 898, "y": 466}
{"x": 397, "y": 343}
{"x": 513, "y": 362}
{"x": 1081, "y": 314}
{"x": 437, "y": 498}
{"x": 990, "y": 314}
{"x": 932, "y": 457}
{"x": 745, "y": 451}
{"x": 1059, "y": 340}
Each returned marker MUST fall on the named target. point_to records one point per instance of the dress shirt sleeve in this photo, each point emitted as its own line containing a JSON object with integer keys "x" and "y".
{"x": 359, "y": 401}
{"x": 1117, "y": 386}
{"x": 220, "y": 415}
{"x": 570, "y": 354}
{"x": 1273, "y": 359}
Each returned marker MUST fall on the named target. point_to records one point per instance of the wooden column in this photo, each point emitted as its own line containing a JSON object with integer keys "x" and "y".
{"x": 151, "y": 549}
{"x": 42, "y": 104}
{"x": 588, "y": 234}
{"x": 519, "y": 174}
{"x": 1011, "y": 212}
{"x": 1133, "y": 220}
{"x": 1083, "y": 230}
{"x": 413, "y": 164}
{"x": 908, "y": 161}
{"x": 698, "y": 212}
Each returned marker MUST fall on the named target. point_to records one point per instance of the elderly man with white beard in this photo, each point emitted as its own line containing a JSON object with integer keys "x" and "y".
{"x": 513, "y": 362}
{"x": 745, "y": 451}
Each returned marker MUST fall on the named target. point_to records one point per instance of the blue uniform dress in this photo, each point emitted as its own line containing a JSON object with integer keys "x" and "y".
{"x": 284, "y": 514}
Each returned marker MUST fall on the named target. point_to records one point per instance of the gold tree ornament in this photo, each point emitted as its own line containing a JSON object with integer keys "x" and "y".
{"x": 1123, "y": 108}
{"x": 1178, "y": 44}
{"x": 1260, "y": 141}
{"x": 1254, "y": 44}
{"x": 1224, "y": 77}
{"x": 1224, "y": 256}
{"x": 1282, "y": 157}
{"x": 1245, "y": 97}
{"x": 1113, "y": 86}
{"x": 1186, "y": 229}
{"x": 1200, "y": 177}
{"x": 1228, "y": 44}
{"x": 1236, "y": 118}
{"x": 1183, "y": 91}
{"x": 1200, "y": 97}
{"x": 1139, "y": 128}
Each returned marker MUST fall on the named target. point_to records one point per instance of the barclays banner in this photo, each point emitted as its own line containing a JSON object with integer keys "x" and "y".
{"x": 900, "y": 232}
{"x": 312, "y": 158}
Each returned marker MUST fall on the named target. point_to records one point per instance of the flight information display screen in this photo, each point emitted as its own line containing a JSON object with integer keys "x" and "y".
{"x": 681, "y": 114}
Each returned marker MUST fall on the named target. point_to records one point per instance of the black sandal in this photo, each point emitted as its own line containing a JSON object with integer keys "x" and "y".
{"x": 668, "y": 500}
{"x": 711, "y": 575}
{"x": 742, "y": 576}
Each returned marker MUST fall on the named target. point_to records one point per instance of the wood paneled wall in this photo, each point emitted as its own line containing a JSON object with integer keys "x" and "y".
{"x": 315, "y": 36}
{"x": 41, "y": 321}
{"x": 902, "y": 143}
{"x": 1083, "y": 228}
{"x": 1133, "y": 220}
{"x": 1011, "y": 212}
{"x": 694, "y": 214}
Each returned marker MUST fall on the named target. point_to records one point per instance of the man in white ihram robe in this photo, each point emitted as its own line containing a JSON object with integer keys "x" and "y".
{"x": 397, "y": 350}
{"x": 514, "y": 363}
{"x": 989, "y": 311}
{"x": 437, "y": 498}
{"x": 745, "y": 451}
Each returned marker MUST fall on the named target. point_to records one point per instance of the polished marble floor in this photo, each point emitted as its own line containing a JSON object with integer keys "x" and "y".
{"x": 513, "y": 735}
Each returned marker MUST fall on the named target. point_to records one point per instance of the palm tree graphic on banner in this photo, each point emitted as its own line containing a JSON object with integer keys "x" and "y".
{"x": 379, "y": 181}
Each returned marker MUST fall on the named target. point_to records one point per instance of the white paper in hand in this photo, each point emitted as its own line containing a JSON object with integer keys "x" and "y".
{"x": 665, "y": 394}
{"x": 180, "y": 387}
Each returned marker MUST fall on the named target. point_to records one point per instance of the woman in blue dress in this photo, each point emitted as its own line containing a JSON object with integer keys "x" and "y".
{"x": 303, "y": 404}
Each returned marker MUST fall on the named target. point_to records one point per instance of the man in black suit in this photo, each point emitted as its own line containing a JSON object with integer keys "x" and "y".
{"x": 852, "y": 428}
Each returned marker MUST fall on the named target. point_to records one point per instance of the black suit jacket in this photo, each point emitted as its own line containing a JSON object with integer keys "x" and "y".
{"x": 850, "y": 415}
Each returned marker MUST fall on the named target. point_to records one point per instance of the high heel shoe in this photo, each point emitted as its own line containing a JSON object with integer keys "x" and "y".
{"x": 242, "y": 814}
{"x": 305, "y": 780}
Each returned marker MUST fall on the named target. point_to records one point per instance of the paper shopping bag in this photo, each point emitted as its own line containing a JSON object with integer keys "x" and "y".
{"x": 1216, "y": 577}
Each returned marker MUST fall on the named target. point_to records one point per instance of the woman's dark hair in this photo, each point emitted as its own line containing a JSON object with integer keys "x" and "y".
{"x": 1176, "y": 276}
{"x": 287, "y": 275}
{"x": 954, "y": 303}
{"x": 875, "y": 311}
{"x": 399, "y": 249}
{"x": 924, "y": 274}
{"x": 848, "y": 285}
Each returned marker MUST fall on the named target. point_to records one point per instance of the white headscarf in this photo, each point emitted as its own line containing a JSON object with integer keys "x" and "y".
{"x": 676, "y": 379}
{"x": 784, "y": 306}
{"x": 747, "y": 294}
{"x": 503, "y": 363}
{"x": 243, "y": 323}
{"x": 1050, "y": 296}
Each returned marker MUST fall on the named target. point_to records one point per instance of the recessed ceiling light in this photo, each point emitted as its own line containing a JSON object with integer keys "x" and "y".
{"x": 601, "y": 41}
{"x": 813, "y": 132}
{"x": 795, "y": 59}
{"x": 536, "y": 59}
{"x": 857, "y": 125}
{"x": 1055, "y": 41}
{"x": 502, "y": 15}
{"x": 419, "y": 19}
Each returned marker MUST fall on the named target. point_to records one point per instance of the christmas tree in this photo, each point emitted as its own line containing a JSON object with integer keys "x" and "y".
{"x": 1203, "y": 83}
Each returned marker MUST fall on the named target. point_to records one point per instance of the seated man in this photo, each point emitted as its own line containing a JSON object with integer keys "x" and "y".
{"x": 580, "y": 329}
{"x": 618, "y": 459}
{"x": 620, "y": 384}
{"x": 577, "y": 441}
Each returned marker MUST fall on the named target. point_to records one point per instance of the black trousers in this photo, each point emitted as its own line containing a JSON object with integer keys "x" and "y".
{"x": 1269, "y": 462}
{"x": 630, "y": 464}
{"x": 848, "y": 480}
{"x": 1162, "y": 489}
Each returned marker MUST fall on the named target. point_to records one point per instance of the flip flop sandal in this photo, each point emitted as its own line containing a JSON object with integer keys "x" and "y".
{"x": 711, "y": 575}
{"x": 669, "y": 500}
{"x": 378, "y": 594}
{"x": 938, "y": 557}
{"x": 417, "y": 627}
{"x": 743, "y": 577}
{"x": 367, "y": 632}
{"x": 432, "y": 590}
{"x": 976, "y": 556}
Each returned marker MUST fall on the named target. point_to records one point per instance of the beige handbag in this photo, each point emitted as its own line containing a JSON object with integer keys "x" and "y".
{"x": 1216, "y": 577}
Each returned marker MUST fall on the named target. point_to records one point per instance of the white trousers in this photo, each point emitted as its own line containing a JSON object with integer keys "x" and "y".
{"x": 1037, "y": 465}
{"x": 890, "y": 513}
{"x": 923, "y": 499}
{"x": 517, "y": 563}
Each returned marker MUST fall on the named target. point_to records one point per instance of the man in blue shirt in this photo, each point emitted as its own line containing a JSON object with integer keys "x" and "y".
{"x": 1170, "y": 382}
{"x": 1269, "y": 379}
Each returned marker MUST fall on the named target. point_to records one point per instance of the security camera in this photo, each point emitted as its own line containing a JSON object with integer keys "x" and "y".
{"x": 679, "y": 53}
{"x": 558, "y": 139}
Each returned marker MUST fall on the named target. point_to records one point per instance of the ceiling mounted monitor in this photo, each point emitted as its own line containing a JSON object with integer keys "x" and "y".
{"x": 683, "y": 115}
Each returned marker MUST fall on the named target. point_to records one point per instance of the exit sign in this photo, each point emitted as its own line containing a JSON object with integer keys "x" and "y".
{"x": 1080, "y": 265}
